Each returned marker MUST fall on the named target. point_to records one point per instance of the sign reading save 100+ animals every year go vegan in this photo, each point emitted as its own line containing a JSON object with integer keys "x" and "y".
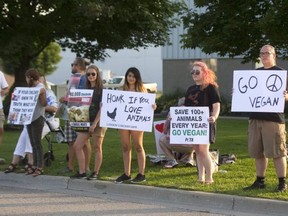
{"x": 189, "y": 125}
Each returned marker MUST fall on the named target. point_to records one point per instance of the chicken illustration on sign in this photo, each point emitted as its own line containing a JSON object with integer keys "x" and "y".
{"x": 112, "y": 115}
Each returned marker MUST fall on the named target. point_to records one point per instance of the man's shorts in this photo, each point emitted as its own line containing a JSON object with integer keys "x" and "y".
{"x": 70, "y": 134}
{"x": 266, "y": 139}
{"x": 99, "y": 131}
{"x": 2, "y": 118}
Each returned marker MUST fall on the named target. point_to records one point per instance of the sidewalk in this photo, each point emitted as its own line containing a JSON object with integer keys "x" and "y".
{"x": 193, "y": 200}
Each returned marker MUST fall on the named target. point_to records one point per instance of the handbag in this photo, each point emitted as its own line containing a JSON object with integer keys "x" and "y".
{"x": 212, "y": 133}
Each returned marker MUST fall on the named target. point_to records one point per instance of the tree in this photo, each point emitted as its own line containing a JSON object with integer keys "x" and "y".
{"x": 233, "y": 28}
{"x": 87, "y": 27}
{"x": 46, "y": 62}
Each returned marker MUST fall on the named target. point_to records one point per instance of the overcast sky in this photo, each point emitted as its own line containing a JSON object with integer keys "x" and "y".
{"x": 148, "y": 61}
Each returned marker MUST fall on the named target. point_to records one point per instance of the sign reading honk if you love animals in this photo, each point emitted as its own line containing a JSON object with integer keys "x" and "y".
{"x": 127, "y": 110}
{"x": 189, "y": 125}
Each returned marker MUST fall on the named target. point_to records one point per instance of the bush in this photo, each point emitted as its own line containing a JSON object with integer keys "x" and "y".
{"x": 165, "y": 101}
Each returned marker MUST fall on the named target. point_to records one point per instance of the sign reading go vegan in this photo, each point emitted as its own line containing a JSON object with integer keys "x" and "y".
{"x": 189, "y": 125}
{"x": 259, "y": 91}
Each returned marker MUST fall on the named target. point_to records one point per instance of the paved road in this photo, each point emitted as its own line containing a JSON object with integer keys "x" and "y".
{"x": 19, "y": 201}
{"x": 55, "y": 195}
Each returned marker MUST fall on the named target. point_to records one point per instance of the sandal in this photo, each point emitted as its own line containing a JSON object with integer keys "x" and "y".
{"x": 27, "y": 166}
{"x": 30, "y": 170}
{"x": 37, "y": 172}
{"x": 10, "y": 168}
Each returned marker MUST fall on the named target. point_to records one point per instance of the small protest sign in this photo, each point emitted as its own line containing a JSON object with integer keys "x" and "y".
{"x": 189, "y": 125}
{"x": 258, "y": 91}
{"x": 79, "y": 101}
{"x": 158, "y": 132}
{"x": 23, "y": 102}
{"x": 127, "y": 110}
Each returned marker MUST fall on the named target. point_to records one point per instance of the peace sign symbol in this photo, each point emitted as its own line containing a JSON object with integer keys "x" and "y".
{"x": 274, "y": 83}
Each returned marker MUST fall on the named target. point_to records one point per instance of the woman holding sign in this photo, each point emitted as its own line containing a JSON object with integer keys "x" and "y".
{"x": 204, "y": 93}
{"x": 133, "y": 82}
{"x": 37, "y": 123}
{"x": 94, "y": 82}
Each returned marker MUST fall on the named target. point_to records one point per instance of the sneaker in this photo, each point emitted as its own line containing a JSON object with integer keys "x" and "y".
{"x": 255, "y": 185}
{"x": 282, "y": 187}
{"x": 123, "y": 178}
{"x": 92, "y": 176}
{"x": 190, "y": 163}
{"x": 170, "y": 164}
{"x": 139, "y": 178}
{"x": 79, "y": 176}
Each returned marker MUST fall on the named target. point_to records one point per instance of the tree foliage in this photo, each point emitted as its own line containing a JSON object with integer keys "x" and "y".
{"x": 47, "y": 60}
{"x": 233, "y": 28}
{"x": 87, "y": 27}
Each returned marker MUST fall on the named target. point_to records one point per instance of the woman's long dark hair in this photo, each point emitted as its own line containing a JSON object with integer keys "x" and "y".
{"x": 139, "y": 87}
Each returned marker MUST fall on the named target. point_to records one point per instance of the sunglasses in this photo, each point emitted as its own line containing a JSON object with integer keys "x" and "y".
{"x": 73, "y": 64}
{"x": 88, "y": 74}
{"x": 196, "y": 72}
{"x": 265, "y": 53}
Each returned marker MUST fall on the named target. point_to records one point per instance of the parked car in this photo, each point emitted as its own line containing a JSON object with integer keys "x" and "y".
{"x": 117, "y": 82}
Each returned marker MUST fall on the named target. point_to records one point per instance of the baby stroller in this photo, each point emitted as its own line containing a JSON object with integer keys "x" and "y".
{"x": 54, "y": 136}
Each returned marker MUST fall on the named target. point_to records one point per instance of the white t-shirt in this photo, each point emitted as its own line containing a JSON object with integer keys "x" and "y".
{"x": 3, "y": 84}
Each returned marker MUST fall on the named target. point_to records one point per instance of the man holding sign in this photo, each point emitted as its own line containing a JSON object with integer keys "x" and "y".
{"x": 266, "y": 134}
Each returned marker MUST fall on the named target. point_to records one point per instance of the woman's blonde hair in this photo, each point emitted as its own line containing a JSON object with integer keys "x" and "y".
{"x": 99, "y": 82}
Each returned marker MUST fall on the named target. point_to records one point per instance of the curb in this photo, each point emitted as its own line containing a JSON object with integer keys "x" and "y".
{"x": 193, "y": 200}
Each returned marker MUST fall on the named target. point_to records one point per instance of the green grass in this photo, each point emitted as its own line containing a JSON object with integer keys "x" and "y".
{"x": 231, "y": 138}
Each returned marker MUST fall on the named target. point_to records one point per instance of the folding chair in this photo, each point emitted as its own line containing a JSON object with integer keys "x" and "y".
{"x": 54, "y": 136}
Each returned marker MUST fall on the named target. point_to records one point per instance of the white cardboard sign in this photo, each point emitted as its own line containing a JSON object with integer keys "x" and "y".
{"x": 23, "y": 103}
{"x": 258, "y": 90}
{"x": 189, "y": 125}
{"x": 127, "y": 110}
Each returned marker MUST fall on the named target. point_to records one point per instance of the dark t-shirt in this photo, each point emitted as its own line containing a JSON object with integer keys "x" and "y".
{"x": 207, "y": 97}
{"x": 274, "y": 117}
{"x": 95, "y": 104}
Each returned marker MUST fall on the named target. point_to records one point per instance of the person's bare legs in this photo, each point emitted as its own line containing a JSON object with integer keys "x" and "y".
{"x": 87, "y": 151}
{"x": 71, "y": 156}
{"x": 280, "y": 165}
{"x": 78, "y": 147}
{"x": 126, "y": 150}
{"x": 98, "y": 141}
{"x": 204, "y": 163}
{"x": 261, "y": 166}
{"x": 165, "y": 146}
{"x": 137, "y": 137}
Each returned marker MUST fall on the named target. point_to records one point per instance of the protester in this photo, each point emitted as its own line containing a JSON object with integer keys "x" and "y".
{"x": 133, "y": 82}
{"x": 173, "y": 151}
{"x": 23, "y": 147}
{"x": 204, "y": 93}
{"x": 94, "y": 82}
{"x": 35, "y": 128}
{"x": 267, "y": 135}
{"x": 4, "y": 90}
{"x": 77, "y": 81}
